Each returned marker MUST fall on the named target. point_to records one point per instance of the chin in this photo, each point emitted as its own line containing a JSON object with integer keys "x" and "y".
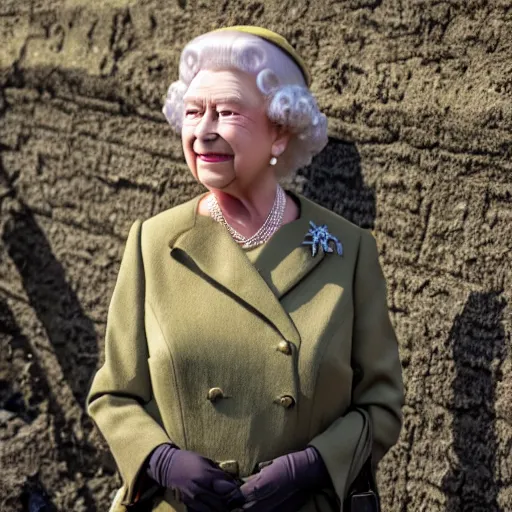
{"x": 214, "y": 180}
{"x": 219, "y": 183}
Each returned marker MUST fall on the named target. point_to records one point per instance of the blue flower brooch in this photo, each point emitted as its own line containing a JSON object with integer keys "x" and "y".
{"x": 320, "y": 237}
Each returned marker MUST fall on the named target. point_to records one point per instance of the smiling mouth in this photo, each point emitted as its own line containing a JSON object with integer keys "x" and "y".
{"x": 214, "y": 157}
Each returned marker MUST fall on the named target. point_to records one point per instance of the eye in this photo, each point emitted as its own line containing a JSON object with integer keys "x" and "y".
{"x": 226, "y": 113}
{"x": 191, "y": 112}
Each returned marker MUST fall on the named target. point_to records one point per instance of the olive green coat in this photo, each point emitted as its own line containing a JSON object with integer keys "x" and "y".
{"x": 191, "y": 313}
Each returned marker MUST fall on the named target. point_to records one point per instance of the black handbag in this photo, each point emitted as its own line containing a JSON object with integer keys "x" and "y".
{"x": 363, "y": 495}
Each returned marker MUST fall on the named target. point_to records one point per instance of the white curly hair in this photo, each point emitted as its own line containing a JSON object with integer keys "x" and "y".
{"x": 289, "y": 100}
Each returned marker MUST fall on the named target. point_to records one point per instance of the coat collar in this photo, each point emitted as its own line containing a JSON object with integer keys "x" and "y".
{"x": 205, "y": 247}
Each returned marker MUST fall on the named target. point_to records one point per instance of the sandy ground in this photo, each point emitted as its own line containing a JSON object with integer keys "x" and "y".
{"x": 418, "y": 95}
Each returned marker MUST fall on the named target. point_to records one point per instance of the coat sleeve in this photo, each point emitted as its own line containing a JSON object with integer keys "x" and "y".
{"x": 374, "y": 420}
{"x": 121, "y": 387}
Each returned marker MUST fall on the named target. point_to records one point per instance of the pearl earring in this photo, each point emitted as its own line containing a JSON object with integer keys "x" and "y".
{"x": 273, "y": 161}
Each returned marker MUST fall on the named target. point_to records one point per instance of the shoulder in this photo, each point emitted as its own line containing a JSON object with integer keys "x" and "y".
{"x": 336, "y": 223}
{"x": 169, "y": 223}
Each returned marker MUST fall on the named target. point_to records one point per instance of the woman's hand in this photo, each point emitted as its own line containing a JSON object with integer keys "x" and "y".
{"x": 286, "y": 483}
{"x": 202, "y": 485}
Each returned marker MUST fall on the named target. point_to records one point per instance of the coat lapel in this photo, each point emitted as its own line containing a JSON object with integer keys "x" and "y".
{"x": 205, "y": 247}
{"x": 284, "y": 262}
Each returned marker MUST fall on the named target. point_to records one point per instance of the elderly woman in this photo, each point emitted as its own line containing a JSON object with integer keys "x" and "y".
{"x": 250, "y": 362}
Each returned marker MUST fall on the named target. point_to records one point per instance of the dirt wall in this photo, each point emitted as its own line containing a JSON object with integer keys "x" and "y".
{"x": 418, "y": 95}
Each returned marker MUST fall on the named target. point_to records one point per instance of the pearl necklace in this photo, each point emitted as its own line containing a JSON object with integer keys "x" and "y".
{"x": 269, "y": 227}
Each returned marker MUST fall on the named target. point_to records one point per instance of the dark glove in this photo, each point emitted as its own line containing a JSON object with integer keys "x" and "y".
{"x": 202, "y": 485}
{"x": 286, "y": 483}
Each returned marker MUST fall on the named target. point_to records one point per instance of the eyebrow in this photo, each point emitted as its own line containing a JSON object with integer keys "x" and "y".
{"x": 220, "y": 99}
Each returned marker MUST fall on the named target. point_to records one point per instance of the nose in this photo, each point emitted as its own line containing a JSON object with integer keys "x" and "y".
{"x": 206, "y": 126}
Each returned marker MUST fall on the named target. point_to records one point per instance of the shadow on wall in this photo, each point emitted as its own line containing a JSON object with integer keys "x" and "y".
{"x": 335, "y": 181}
{"x": 72, "y": 335}
{"x": 56, "y": 305}
{"x": 24, "y": 401}
{"x": 478, "y": 341}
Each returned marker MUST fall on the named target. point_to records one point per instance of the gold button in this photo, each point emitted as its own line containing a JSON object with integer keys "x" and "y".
{"x": 287, "y": 401}
{"x": 284, "y": 347}
{"x": 229, "y": 466}
{"x": 215, "y": 394}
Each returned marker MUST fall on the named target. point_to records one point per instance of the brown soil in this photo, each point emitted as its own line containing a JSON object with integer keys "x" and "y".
{"x": 418, "y": 95}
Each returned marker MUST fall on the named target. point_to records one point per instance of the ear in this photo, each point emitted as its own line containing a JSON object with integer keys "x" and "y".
{"x": 281, "y": 140}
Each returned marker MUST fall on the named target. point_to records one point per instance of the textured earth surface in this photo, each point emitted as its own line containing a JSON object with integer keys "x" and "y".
{"x": 419, "y": 99}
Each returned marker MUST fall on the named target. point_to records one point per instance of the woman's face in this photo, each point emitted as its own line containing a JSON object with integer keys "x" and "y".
{"x": 227, "y": 137}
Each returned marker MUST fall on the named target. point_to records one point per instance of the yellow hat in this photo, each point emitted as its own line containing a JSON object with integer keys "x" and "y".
{"x": 278, "y": 40}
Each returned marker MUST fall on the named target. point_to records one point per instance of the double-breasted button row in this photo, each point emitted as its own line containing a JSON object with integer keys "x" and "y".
{"x": 285, "y": 401}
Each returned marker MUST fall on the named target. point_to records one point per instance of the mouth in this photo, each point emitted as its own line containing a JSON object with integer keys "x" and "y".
{"x": 214, "y": 157}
